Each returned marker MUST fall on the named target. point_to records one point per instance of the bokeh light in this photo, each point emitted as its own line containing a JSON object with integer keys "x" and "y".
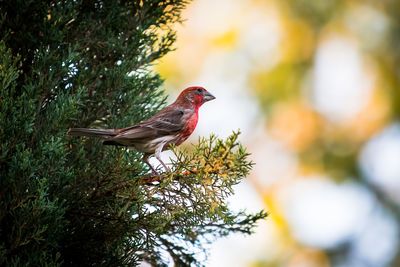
{"x": 314, "y": 88}
{"x": 380, "y": 161}
{"x": 341, "y": 87}
{"x": 324, "y": 214}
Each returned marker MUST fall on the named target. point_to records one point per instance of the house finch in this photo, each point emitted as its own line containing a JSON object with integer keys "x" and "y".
{"x": 171, "y": 125}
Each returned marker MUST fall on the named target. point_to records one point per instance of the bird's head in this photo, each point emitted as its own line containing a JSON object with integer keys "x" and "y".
{"x": 195, "y": 95}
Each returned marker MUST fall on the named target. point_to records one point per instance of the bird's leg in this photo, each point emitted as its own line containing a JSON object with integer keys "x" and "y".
{"x": 157, "y": 155}
{"x": 146, "y": 160}
{"x": 163, "y": 164}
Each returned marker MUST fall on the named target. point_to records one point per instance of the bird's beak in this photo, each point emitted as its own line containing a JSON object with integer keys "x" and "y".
{"x": 207, "y": 96}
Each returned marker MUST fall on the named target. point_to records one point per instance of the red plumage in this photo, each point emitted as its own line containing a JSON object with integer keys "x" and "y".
{"x": 171, "y": 125}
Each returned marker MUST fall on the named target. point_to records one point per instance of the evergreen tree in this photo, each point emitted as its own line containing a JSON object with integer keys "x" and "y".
{"x": 71, "y": 201}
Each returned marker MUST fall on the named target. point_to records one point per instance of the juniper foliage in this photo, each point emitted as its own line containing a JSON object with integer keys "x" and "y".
{"x": 71, "y": 201}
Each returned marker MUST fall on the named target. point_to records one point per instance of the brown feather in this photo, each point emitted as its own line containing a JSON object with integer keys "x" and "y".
{"x": 103, "y": 133}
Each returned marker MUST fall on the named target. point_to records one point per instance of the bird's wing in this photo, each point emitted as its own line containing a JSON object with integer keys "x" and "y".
{"x": 166, "y": 122}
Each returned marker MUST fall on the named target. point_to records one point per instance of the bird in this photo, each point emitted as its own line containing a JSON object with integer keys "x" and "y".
{"x": 172, "y": 125}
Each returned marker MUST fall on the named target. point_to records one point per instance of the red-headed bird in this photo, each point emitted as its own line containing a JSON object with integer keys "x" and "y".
{"x": 171, "y": 125}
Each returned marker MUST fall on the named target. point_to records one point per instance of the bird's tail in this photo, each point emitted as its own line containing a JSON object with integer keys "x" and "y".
{"x": 102, "y": 133}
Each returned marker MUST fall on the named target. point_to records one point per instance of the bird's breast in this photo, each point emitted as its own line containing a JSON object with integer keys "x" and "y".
{"x": 190, "y": 125}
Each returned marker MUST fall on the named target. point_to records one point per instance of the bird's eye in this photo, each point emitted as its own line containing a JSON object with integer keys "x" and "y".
{"x": 199, "y": 90}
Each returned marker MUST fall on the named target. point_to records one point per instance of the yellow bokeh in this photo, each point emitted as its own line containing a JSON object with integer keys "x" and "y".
{"x": 275, "y": 67}
{"x": 295, "y": 124}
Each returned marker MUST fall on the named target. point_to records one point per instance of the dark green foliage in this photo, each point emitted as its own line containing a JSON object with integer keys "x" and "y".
{"x": 71, "y": 201}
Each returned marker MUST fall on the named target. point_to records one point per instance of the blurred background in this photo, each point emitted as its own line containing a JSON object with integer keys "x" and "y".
{"x": 314, "y": 86}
